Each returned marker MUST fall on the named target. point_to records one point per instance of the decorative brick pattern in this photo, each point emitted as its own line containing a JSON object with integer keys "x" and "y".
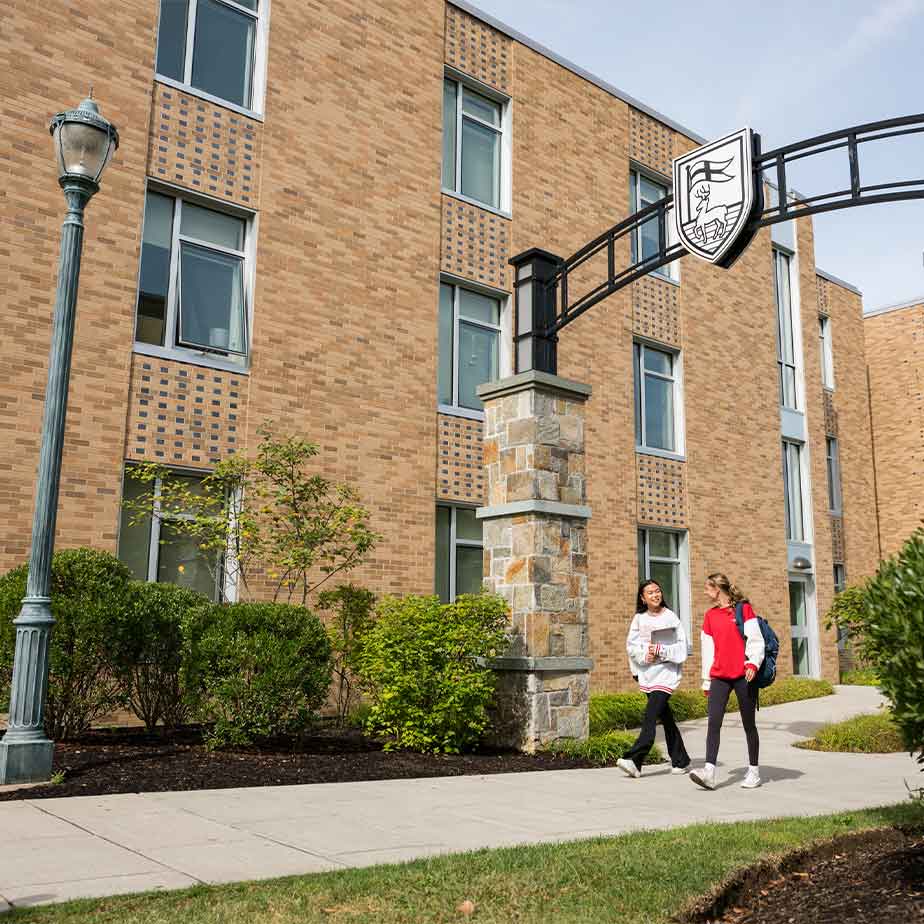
{"x": 656, "y": 310}
{"x": 475, "y": 243}
{"x": 474, "y": 48}
{"x": 460, "y": 459}
{"x": 662, "y": 494}
{"x": 181, "y": 414}
{"x": 838, "y": 543}
{"x": 827, "y": 399}
{"x": 822, "y": 287}
{"x": 204, "y": 147}
{"x": 650, "y": 142}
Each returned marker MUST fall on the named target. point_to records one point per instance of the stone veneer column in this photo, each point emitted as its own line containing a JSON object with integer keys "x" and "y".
{"x": 535, "y": 553}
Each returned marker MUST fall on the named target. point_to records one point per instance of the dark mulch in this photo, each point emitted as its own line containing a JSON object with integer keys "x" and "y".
{"x": 855, "y": 879}
{"x": 107, "y": 761}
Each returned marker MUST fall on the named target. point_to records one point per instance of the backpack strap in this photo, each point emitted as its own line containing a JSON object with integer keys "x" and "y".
{"x": 739, "y": 619}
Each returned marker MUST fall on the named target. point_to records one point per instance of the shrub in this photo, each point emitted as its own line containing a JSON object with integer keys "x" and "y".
{"x": 794, "y": 689}
{"x": 420, "y": 664}
{"x": 352, "y": 619}
{"x": 603, "y": 749}
{"x": 610, "y": 711}
{"x": 862, "y": 677}
{"x": 148, "y": 652}
{"x": 863, "y": 734}
{"x": 263, "y": 669}
{"x": 892, "y": 637}
{"x": 88, "y": 590}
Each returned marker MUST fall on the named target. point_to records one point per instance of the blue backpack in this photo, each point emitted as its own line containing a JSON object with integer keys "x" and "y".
{"x": 767, "y": 673}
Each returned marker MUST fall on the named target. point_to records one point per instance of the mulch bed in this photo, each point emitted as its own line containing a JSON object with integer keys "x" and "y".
{"x": 855, "y": 879}
{"x": 107, "y": 761}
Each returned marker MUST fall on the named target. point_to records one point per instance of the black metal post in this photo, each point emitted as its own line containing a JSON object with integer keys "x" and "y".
{"x": 535, "y": 301}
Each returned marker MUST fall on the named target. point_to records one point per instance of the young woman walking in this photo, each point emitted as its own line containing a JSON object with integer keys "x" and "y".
{"x": 657, "y": 646}
{"x": 730, "y": 662}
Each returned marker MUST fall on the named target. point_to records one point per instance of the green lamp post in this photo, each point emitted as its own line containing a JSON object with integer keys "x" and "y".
{"x": 84, "y": 143}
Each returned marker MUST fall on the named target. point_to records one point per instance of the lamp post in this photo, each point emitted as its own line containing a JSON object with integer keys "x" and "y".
{"x": 84, "y": 143}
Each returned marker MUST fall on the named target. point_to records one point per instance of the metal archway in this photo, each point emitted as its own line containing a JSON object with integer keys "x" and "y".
{"x": 544, "y": 305}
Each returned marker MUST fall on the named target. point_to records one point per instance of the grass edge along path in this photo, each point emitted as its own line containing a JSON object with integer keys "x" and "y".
{"x": 874, "y": 733}
{"x": 643, "y": 877}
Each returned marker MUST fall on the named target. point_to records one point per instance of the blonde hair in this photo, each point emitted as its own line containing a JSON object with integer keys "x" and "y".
{"x": 721, "y": 581}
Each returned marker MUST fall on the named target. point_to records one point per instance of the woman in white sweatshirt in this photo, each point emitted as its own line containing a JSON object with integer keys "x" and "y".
{"x": 657, "y": 646}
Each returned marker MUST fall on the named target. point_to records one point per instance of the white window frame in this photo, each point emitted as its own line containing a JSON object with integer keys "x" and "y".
{"x": 682, "y": 607}
{"x": 840, "y": 577}
{"x": 784, "y": 313}
{"x": 833, "y": 466}
{"x": 258, "y": 77}
{"x": 639, "y": 346}
{"x": 172, "y": 348}
{"x": 671, "y": 271}
{"x": 791, "y": 520}
{"x": 808, "y": 633}
{"x": 454, "y": 543}
{"x": 504, "y": 197}
{"x": 827, "y": 352}
{"x": 505, "y": 340}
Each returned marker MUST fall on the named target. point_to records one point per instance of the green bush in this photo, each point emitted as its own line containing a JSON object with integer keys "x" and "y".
{"x": 615, "y": 711}
{"x": 419, "y": 663}
{"x": 263, "y": 669}
{"x": 149, "y": 652}
{"x": 863, "y": 734}
{"x": 862, "y": 677}
{"x": 88, "y": 591}
{"x": 891, "y": 636}
{"x": 604, "y": 749}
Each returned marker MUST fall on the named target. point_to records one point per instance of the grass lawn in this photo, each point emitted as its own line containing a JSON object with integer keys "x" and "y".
{"x": 863, "y": 734}
{"x": 639, "y": 878}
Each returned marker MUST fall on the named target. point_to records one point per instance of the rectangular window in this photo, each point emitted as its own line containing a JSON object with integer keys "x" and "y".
{"x": 827, "y": 351}
{"x": 473, "y": 144}
{"x": 840, "y": 578}
{"x": 211, "y": 45}
{"x": 835, "y": 498}
{"x": 156, "y": 550}
{"x": 785, "y": 333}
{"x": 646, "y": 240}
{"x": 792, "y": 490}
{"x": 192, "y": 286}
{"x": 799, "y": 628}
{"x": 459, "y": 552}
{"x": 469, "y": 345}
{"x": 662, "y": 557}
{"x": 657, "y": 399}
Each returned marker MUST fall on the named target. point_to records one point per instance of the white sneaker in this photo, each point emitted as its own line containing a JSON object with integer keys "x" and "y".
{"x": 704, "y": 777}
{"x": 751, "y": 779}
{"x": 680, "y": 770}
{"x": 628, "y": 767}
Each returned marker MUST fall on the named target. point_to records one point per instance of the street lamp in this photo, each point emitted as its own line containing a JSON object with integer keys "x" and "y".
{"x": 84, "y": 143}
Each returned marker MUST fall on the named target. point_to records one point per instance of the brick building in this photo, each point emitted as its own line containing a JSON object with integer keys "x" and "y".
{"x": 310, "y": 219}
{"x": 895, "y": 358}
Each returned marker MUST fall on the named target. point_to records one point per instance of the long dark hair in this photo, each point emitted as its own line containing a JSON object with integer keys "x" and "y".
{"x": 640, "y": 605}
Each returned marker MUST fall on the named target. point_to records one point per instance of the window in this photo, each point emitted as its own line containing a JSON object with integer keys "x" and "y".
{"x": 155, "y": 550}
{"x": 800, "y": 628}
{"x": 840, "y": 578}
{"x": 662, "y": 557}
{"x": 827, "y": 351}
{"x": 785, "y": 334}
{"x": 646, "y": 240}
{"x": 211, "y": 45}
{"x": 469, "y": 332}
{"x": 835, "y": 498}
{"x": 459, "y": 552}
{"x": 473, "y": 144}
{"x": 192, "y": 286}
{"x": 792, "y": 490}
{"x": 657, "y": 402}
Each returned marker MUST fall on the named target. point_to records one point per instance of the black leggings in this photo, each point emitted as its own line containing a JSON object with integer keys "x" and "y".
{"x": 746, "y": 693}
{"x": 658, "y": 707}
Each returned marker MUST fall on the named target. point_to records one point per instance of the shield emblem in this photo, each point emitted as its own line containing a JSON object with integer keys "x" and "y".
{"x": 714, "y": 197}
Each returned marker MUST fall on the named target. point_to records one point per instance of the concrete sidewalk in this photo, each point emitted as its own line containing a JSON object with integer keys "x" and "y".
{"x": 57, "y": 849}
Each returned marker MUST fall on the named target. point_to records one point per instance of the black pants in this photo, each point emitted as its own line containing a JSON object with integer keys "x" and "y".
{"x": 659, "y": 707}
{"x": 719, "y": 692}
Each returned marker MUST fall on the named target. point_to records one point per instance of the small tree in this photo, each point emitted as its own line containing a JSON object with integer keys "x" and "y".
{"x": 849, "y": 613}
{"x": 352, "y": 618}
{"x": 264, "y": 513}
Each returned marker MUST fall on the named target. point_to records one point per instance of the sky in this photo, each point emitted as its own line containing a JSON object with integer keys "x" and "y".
{"x": 789, "y": 70}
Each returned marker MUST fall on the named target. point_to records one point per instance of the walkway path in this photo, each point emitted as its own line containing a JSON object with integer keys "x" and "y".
{"x": 55, "y": 849}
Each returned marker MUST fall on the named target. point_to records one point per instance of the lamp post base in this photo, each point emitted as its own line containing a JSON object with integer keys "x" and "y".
{"x": 25, "y": 761}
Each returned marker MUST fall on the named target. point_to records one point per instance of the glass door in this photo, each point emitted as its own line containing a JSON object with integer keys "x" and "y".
{"x": 800, "y": 625}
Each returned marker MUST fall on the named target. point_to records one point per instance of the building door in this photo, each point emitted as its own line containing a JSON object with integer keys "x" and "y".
{"x": 803, "y": 628}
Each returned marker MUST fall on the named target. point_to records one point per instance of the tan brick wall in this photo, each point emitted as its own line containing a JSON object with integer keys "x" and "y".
{"x": 895, "y": 357}
{"x": 475, "y": 243}
{"x": 460, "y": 474}
{"x": 474, "y": 47}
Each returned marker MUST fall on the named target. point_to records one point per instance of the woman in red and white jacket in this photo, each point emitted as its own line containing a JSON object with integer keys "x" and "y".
{"x": 730, "y": 662}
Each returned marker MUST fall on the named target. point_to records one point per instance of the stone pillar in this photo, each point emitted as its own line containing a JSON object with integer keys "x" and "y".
{"x": 535, "y": 553}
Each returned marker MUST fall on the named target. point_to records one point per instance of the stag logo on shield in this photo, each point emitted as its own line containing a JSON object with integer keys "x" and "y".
{"x": 714, "y": 191}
